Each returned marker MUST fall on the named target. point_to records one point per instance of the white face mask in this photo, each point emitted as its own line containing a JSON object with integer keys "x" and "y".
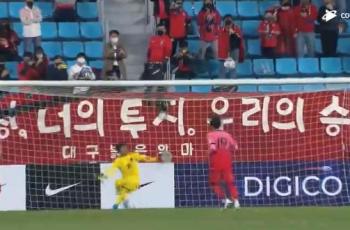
{"x": 114, "y": 40}
{"x": 39, "y": 56}
{"x": 81, "y": 60}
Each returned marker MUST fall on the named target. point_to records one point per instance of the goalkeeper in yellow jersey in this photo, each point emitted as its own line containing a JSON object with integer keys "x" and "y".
{"x": 127, "y": 164}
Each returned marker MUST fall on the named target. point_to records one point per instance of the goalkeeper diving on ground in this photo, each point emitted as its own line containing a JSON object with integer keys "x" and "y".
{"x": 221, "y": 146}
{"x": 128, "y": 164}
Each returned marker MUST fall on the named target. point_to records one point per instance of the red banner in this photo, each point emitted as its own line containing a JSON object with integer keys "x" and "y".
{"x": 40, "y": 129}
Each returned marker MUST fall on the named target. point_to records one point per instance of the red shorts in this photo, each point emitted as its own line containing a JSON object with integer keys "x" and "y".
{"x": 220, "y": 167}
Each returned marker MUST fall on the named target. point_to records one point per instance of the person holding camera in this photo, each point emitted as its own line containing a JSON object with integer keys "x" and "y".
{"x": 26, "y": 69}
{"x": 184, "y": 62}
{"x": 57, "y": 71}
{"x": 209, "y": 21}
{"x": 114, "y": 56}
{"x": 230, "y": 48}
{"x": 4, "y": 73}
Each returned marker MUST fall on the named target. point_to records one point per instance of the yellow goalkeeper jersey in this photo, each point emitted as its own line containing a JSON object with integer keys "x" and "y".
{"x": 128, "y": 165}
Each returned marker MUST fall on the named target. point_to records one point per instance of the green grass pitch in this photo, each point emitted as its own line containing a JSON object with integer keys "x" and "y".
{"x": 181, "y": 219}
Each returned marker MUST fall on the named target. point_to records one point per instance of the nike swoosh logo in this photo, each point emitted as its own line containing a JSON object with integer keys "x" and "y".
{"x": 51, "y": 192}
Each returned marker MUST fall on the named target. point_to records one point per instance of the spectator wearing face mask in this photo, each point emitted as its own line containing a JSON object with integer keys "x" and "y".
{"x": 329, "y": 31}
{"x": 8, "y": 42}
{"x": 230, "y": 46}
{"x": 26, "y": 69}
{"x": 31, "y": 18}
{"x": 184, "y": 62}
{"x": 4, "y": 73}
{"x": 305, "y": 16}
{"x": 114, "y": 56}
{"x": 57, "y": 71}
{"x": 178, "y": 23}
{"x": 41, "y": 62}
{"x": 269, "y": 31}
{"x": 81, "y": 71}
{"x": 286, "y": 21}
{"x": 209, "y": 21}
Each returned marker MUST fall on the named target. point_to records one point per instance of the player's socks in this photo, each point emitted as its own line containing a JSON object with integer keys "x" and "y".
{"x": 236, "y": 203}
{"x": 126, "y": 204}
{"x": 227, "y": 203}
{"x": 115, "y": 206}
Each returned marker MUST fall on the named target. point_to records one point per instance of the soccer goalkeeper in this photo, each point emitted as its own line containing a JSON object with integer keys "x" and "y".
{"x": 221, "y": 146}
{"x": 127, "y": 163}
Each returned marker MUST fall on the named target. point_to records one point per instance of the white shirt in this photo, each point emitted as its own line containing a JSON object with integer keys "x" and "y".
{"x": 74, "y": 70}
{"x": 31, "y": 19}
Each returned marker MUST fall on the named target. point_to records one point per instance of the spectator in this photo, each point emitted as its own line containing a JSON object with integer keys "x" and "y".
{"x": 209, "y": 22}
{"x": 65, "y": 10}
{"x": 41, "y": 62}
{"x": 329, "y": 30}
{"x": 26, "y": 69}
{"x": 184, "y": 61}
{"x": 269, "y": 31}
{"x": 178, "y": 22}
{"x": 8, "y": 42}
{"x": 305, "y": 15}
{"x": 81, "y": 71}
{"x": 230, "y": 46}
{"x": 114, "y": 55}
{"x": 161, "y": 11}
{"x": 4, "y": 73}
{"x": 31, "y": 18}
{"x": 286, "y": 21}
{"x": 57, "y": 71}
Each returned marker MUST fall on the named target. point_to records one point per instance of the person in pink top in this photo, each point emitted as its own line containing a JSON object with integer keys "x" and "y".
{"x": 221, "y": 145}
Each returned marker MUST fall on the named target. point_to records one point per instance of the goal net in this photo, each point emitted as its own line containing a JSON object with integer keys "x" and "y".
{"x": 293, "y": 147}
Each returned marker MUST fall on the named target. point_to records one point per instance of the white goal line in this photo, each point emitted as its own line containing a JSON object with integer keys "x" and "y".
{"x": 218, "y": 82}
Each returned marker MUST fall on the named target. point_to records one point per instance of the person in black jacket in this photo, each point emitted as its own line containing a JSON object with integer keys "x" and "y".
{"x": 57, "y": 71}
{"x": 329, "y": 29}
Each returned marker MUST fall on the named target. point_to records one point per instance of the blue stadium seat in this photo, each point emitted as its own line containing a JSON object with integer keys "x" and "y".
{"x": 248, "y": 9}
{"x": 87, "y": 10}
{"x": 269, "y": 88}
{"x": 182, "y": 89}
{"x": 52, "y": 48}
{"x": 245, "y": 69}
{"x": 286, "y": 66}
{"x": 263, "y": 67}
{"x": 201, "y": 89}
{"x": 250, "y": 28}
{"x": 227, "y": 7}
{"x": 187, "y": 5}
{"x": 314, "y": 87}
{"x": 68, "y": 30}
{"x": 254, "y": 48}
{"x": 331, "y": 65}
{"x": 292, "y": 88}
{"x": 46, "y": 9}
{"x": 97, "y": 64}
{"x": 71, "y": 49}
{"x": 3, "y": 10}
{"x": 309, "y": 66}
{"x": 247, "y": 88}
{"x": 343, "y": 46}
{"x": 337, "y": 86}
{"x": 94, "y": 49}
{"x": 346, "y": 65}
{"x": 213, "y": 68}
{"x": 49, "y": 30}
{"x": 18, "y": 28}
{"x": 91, "y": 30}
{"x": 20, "y": 48}
{"x": 318, "y": 3}
{"x": 265, "y": 5}
{"x": 318, "y": 46}
{"x": 14, "y": 8}
{"x": 12, "y": 68}
{"x": 193, "y": 46}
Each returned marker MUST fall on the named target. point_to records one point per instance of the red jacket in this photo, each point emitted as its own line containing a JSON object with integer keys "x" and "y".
{"x": 208, "y": 32}
{"x": 42, "y": 68}
{"x": 269, "y": 32}
{"x": 305, "y": 24}
{"x": 26, "y": 73}
{"x": 177, "y": 23}
{"x": 159, "y": 48}
{"x": 9, "y": 42}
{"x": 224, "y": 43}
{"x": 286, "y": 21}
